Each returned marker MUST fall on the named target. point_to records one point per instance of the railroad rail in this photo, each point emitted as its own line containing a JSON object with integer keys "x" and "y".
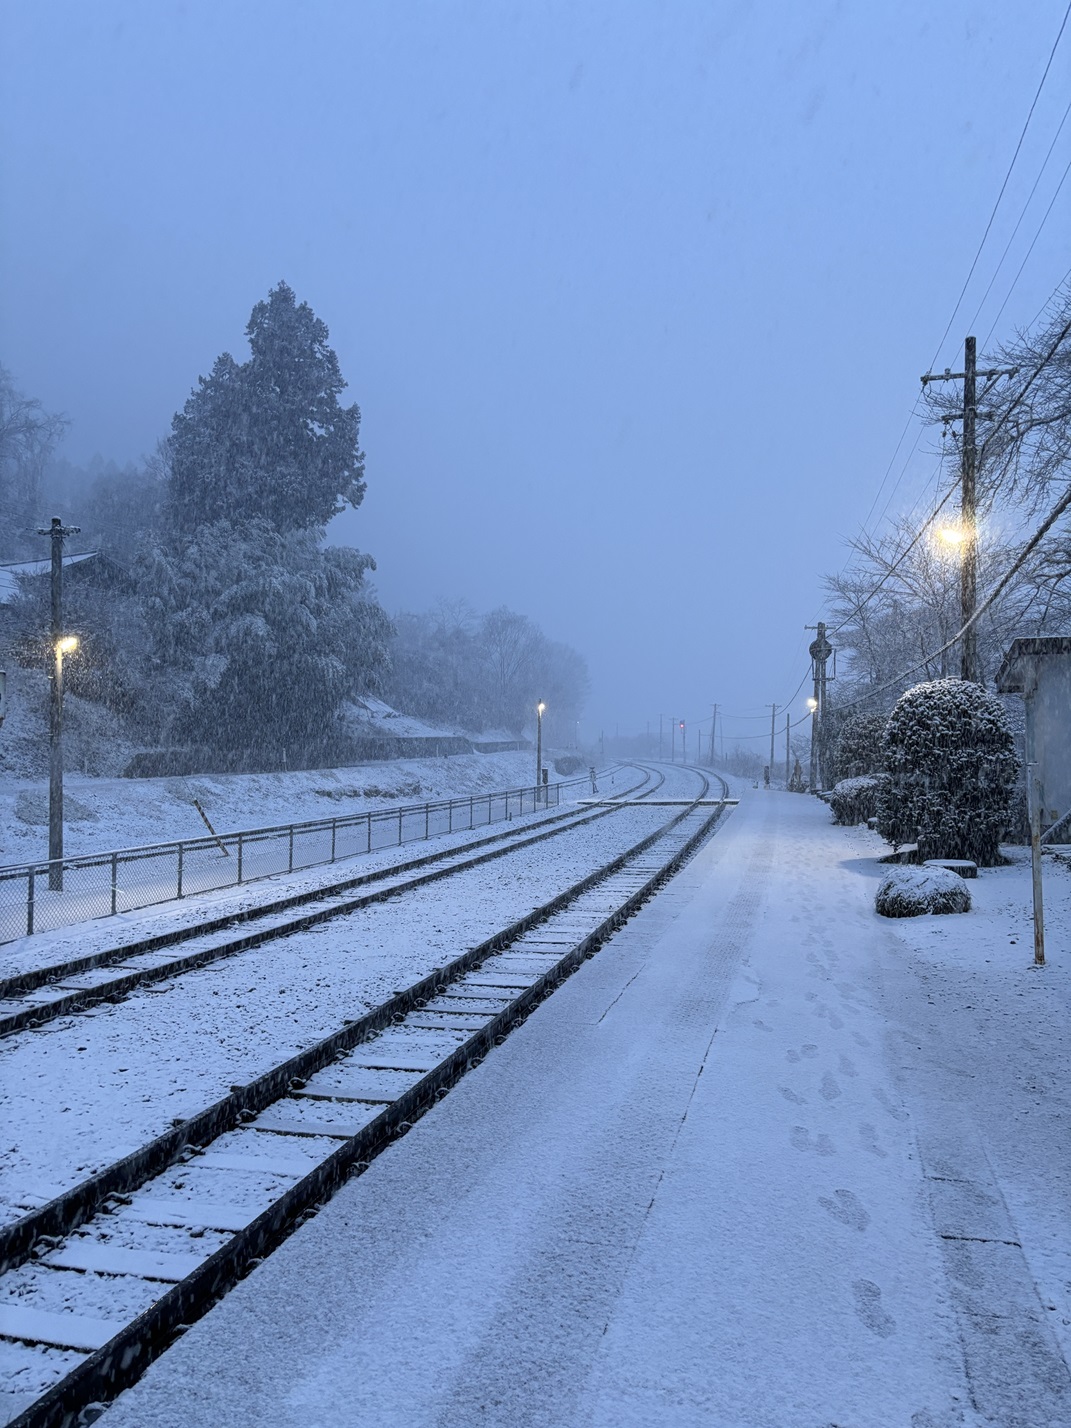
{"x": 98, "y": 1281}
{"x": 32, "y": 998}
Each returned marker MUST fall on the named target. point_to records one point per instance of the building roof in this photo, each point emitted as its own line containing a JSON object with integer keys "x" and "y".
{"x": 1016, "y": 673}
{"x": 9, "y": 584}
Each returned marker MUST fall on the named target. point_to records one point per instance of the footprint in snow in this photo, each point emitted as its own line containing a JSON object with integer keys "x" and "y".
{"x": 829, "y": 1088}
{"x": 791, "y": 1095}
{"x": 847, "y": 1067}
{"x": 869, "y": 1308}
{"x": 846, "y": 1208}
{"x": 762, "y": 1026}
{"x": 869, "y": 1136}
{"x": 801, "y": 1140}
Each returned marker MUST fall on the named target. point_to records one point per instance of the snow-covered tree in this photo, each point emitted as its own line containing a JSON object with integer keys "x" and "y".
{"x": 268, "y": 439}
{"x": 263, "y": 635}
{"x": 858, "y": 749}
{"x": 28, "y": 435}
{"x": 951, "y": 764}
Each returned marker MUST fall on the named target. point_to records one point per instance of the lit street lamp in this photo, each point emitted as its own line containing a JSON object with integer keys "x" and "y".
{"x": 61, "y": 645}
{"x": 540, "y": 707}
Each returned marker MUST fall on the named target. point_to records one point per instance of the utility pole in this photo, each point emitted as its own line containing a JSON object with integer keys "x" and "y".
{"x": 773, "y": 722}
{"x": 820, "y": 649}
{"x": 57, "y": 532}
{"x": 673, "y": 741}
{"x": 968, "y": 500}
{"x": 660, "y": 736}
{"x": 788, "y": 749}
{"x": 713, "y": 729}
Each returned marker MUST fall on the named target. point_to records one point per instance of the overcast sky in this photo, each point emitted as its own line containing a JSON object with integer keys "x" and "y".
{"x": 634, "y": 296}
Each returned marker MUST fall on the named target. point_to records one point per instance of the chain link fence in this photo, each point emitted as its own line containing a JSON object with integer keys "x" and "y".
{"x": 38, "y": 897}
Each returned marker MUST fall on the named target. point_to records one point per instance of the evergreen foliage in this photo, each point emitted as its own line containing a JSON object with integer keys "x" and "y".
{"x": 268, "y": 438}
{"x": 262, "y": 636}
{"x": 951, "y": 764}
{"x": 858, "y": 749}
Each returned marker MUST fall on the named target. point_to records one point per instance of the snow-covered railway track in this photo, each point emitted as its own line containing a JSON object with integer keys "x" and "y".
{"x": 99, "y": 1281}
{"x": 32, "y": 998}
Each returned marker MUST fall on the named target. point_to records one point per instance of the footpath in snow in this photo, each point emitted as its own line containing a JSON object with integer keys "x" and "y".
{"x": 766, "y": 1161}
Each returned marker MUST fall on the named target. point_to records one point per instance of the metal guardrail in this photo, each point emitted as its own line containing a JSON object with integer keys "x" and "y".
{"x": 40, "y": 897}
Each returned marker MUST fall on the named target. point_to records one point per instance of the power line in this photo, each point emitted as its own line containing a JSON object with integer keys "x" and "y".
{"x": 1026, "y": 259}
{"x": 1032, "y": 544}
{"x": 1004, "y": 185}
{"x": 1018, "y": 225}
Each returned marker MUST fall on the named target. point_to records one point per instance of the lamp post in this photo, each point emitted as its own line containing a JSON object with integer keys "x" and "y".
{"x": 60, "y": 645}
{"x": 540, "y": 707}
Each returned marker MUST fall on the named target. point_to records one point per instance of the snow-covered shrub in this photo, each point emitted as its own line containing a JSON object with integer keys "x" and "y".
{"x": 854, "y": 800}
{"x": 951, "y": 765}
{"x": 568, "y": 764}
{"x": 858, "y": 749}
{"x": 911, "y": 892}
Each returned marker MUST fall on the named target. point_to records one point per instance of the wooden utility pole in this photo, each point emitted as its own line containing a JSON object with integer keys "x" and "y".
{"x": 968, "y": 497}
{"x": 713, "y": 729}
{"x": 57, "y": 532}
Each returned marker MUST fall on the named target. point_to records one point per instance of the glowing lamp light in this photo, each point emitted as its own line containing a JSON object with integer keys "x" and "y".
{"x": 68, "y": 644}
{"x": 812, "y": 705}
{"x": 541, "y": 708}
{"x": 952, "y": 535}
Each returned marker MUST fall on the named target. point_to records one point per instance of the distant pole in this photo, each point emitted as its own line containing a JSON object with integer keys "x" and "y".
{"x": 773, "y": 731}
{"x": 660, "y": 736}
{"x": 57, "y": 532}
{"x": 713, "y": 729}
{"x": 673, "y": 741}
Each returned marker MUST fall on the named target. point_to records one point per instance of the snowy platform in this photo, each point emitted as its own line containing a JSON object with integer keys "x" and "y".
{"x": 765, "y": 1161}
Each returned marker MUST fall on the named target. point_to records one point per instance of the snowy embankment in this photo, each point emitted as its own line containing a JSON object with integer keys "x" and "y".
{"x": 103, "y": 814}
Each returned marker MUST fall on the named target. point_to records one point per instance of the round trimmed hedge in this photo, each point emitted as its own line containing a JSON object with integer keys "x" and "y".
{"x": 951, "y": 764}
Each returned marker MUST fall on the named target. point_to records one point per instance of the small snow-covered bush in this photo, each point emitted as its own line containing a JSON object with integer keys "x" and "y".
{"x": 911, "y": 892}
{"x": 854, "y": 800}
{"x": 858, "y": 750}
{"x": 951, "y": 764}
{"x": 567, "y": 764}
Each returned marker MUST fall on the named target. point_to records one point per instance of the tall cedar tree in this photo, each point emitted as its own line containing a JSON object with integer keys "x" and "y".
{"x": 267, "y": 439}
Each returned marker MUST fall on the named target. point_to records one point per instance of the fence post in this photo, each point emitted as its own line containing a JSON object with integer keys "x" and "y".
{"x": 290, "y": 860}
{"x": 450, "y": 806}
{"x": 115, "y": 879}
{"x": 471, "y": 806}
{"x": 488, "y": 810}
{"x": 369, "y": 848}
{"x": 29, "y": 904}
{"x": 239, "y": 857}
{"x": 178, "y": 879}
{"x": 427, "y": 819}
{"x": 334, "y": 834}
{"x": 399, "y": 827}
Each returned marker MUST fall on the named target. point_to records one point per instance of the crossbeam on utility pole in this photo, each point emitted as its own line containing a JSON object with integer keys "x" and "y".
{"x": 968, "y": 500}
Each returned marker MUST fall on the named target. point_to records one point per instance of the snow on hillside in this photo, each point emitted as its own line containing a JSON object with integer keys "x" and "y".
{"x": 107, "y": 813}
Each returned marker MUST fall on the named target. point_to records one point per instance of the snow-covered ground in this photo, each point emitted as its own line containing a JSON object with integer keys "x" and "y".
{"x": 87, "y": 1089}
{"x": 108, "y": 813}
{"x": 767, "y": 1161}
